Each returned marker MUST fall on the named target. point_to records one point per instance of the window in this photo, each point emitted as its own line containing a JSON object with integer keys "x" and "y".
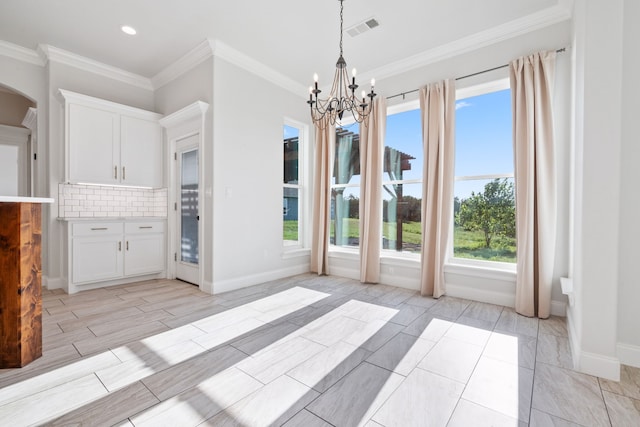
{"x": 292, "y": 185}
{"x": 484, "y": 203}
{"x": 345, "y": 188}
{"x": 402, "y": 182}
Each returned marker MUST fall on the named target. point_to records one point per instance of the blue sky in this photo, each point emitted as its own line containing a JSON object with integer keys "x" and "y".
{"x": 483, "y": 140}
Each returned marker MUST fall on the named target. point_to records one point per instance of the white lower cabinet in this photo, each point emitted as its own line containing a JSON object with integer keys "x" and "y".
{"x": 144, "y": 248}
{"x": 96, "y": 252}
{"x": 114, "y": 252}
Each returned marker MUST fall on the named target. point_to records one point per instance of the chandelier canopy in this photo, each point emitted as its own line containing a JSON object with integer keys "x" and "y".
{"x": 342, "y": 98}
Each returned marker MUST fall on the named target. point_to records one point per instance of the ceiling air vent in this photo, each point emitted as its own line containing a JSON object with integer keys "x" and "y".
{"x": 363, "y": 27}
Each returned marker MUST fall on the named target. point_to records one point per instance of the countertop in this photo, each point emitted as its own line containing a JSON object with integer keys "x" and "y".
{"x": 112, "y": 218}
{"x": 18, "y": 199}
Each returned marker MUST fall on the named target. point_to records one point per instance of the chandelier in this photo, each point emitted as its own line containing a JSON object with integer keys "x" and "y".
{"x": 342, "y": 98}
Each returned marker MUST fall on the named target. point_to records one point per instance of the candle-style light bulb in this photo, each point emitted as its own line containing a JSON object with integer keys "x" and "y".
{"x": 373, "y": 83}
{"x": 364, "y": 95}
{"x": 315, "y": 77}
{"x": 353, "y": 72}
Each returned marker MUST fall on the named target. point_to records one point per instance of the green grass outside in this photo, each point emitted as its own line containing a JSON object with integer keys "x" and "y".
{"x": 470, "y": 244}
{"x": 290, "y": 230}
{"x": 466, "y": 244}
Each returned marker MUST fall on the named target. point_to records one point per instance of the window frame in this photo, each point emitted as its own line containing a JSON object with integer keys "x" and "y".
{"x": 290, "y": 246}
{"x": 478, "y": 265}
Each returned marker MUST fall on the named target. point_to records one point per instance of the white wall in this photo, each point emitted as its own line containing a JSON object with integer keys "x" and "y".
{"x": 629, "y": 291}
{"x": 593, "y": 320}
{"x": 498, "y": 288}
{"x": 249, "y": 114}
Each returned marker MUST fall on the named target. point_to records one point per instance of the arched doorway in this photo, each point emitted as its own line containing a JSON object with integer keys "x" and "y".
{"x": 18, "y": 136}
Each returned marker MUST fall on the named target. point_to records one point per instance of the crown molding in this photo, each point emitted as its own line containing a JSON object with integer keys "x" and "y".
{"x": 224, "y": 51}
{"x": 517, "y": 27}
{"x": 54, "y": 54}
{"x": 188, "y": 61}
{"x": 20, "y": 53}
{"x": 209, "y": 48}
{"x": 195, "y": 110}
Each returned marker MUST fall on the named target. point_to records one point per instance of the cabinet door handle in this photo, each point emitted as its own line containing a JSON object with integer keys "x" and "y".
{"x": 145, "y": 226}
{"x": 115, "y": 172}
{"x": 119, "y": 246}
{"x": 123, "y": 173}
{"x": 127, "y": 245}
{"x": 98, "y": 228}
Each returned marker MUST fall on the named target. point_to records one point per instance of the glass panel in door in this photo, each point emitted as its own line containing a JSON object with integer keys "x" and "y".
{"x": 189, "y": 207}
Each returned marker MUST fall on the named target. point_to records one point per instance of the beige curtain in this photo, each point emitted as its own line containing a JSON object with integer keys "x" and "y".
{"x": 531, "y": 94}
{"x": 437, "y": 105}
{"x": 325, "y": 143}
{"x": 372, "y": 133}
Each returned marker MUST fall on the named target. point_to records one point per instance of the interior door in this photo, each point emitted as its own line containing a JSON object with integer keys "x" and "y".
{"x": 188, "y": 218}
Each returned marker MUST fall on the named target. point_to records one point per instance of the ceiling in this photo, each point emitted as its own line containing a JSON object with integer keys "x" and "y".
{"x": 293, "y": 37}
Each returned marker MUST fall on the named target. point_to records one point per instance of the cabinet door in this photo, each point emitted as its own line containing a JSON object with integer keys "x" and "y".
{"x": 141, "y": 152}
{"x": 144, "y": 254}
{"x": 94, "y": 145}
{"x": 97, "y": 258}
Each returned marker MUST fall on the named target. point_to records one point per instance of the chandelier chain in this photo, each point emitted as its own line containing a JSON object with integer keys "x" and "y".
{"x": 341, "y": 20}
{"x": 341, "y": 98}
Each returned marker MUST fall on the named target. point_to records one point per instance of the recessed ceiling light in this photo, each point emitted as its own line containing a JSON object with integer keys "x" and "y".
{"x": 128, "y": 30}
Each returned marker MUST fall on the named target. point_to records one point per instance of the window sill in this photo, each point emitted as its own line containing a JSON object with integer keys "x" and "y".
{"x": 295, "y": 252}
{"x": 400, "y": 259}
{"x": 499, "y": 271}
{"x": 344, "y": 252}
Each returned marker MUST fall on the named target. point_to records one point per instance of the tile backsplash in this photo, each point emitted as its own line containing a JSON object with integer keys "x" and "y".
{"x": 92, "y": 201}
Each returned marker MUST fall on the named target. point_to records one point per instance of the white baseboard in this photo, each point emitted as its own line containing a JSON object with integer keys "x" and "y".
{"x": 482, "y": 295}
{"x": 348, "y": 273}
{"x": 52, "y": 283}
{"x": 629, "y": 354}
{"x": 559, "y": 308}
{"x": 255, "y": 279}
{"x": 88, "y": 286}
{"x": 599, "y": 365}
{"x": 400, "y": 281}
{"x": 207, "y": 287}
{"x": 574, "y": 341}
{"x": 590, "y": 363}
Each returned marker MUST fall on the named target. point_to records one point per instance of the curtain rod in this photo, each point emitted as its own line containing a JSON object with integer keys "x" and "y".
{"x": 402, "y": 94}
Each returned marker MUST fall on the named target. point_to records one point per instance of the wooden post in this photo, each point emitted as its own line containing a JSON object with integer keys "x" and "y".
{"x": 20, "y": 284}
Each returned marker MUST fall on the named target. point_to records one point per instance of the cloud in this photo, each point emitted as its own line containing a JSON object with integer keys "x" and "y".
{"x": 462, "y": 104}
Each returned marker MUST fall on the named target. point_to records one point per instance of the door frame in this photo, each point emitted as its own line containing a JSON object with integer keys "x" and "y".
{"x": 184, "y": 123}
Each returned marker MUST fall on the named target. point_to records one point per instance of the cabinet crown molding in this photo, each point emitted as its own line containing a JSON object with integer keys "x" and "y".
{"x": 192, "y": 111}
{"x": 69, "y": 97}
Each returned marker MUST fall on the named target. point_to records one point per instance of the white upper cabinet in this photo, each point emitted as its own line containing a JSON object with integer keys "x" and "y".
{"x": 111, "y": 144}
{"x": 140, "y": 153}
{"x": 94, "y": 150}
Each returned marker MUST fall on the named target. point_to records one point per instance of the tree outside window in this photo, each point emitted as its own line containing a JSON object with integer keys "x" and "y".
{"x": 484, "y": 202}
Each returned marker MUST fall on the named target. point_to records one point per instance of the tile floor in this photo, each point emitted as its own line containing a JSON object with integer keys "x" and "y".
{"x": 304, "y": 351}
